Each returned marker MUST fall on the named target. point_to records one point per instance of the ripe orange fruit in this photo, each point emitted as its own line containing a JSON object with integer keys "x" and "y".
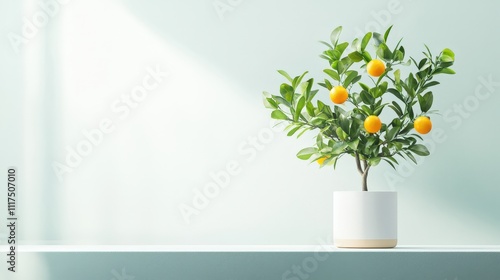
{"x": 338, "y": 94}
{"x": 375, "y": 68}
{"x": 373, "y": 124}
{"x": 321, "y": 160}
{"x": 422, "y": 124}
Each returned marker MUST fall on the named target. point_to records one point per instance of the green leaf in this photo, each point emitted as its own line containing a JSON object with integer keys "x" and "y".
{"x": 300, "y": 105}
{"x": 334, "y": 36}
{"x": 367, "y": 57}
{"x": 356, "y": 56}
{"x": 430, "y": 84}
{"x": 317, "y": 122}
{"x": 306, "y": 153}
{"x": 428, "y": 51}
{"x": 270, "y": 103}
{"x": 384, "y": 52}
{"x": 402, "y": 51}
{"x": 396, "y": 93}
{"x": 449, "y": 53}
{"x": 355, "y": 128}
{"x": 365, "y": 40}
{"x": 341, "y": 48}
{"x": 333, "y": 74}
{"x": 281, "y": 100}
{"x": 350, "y": 78}
{"x": 365, "y": 87}
{"x": 390, "y": 163}
{"x": 310, "y": 109}
{"x": 330, "y": 161}
{"x": 287, "y": 92}
{"x": 425, "y": 101}
{"x": 398, "y": 55}
{"x": 379, "y": 39}
{"x": 374, "y": 161}
{"x": 339, "y": 66}
{"x": 285, "y": 74}
{"x": 386, "y": 34}
{"x": 410, "y": 156}
{"x": 446, "y": 58}
{"x": 391, "y": 133}
{"x": 339, "y": 147}
{"x": 382, "y": 88}
{"x": 397, "y": 76}
{"x": 367, "y": 98}
{"x": 444, "y": 71}
{"x": 319, "y": 141}
{"x": 395, "y": 106}
{"x": 356, "y": 44}
{"x": 411, "y": 82}
{"x": 353, "y": 144}
{"x": 303, "y": 131}
{"x": 420, "y": 150}
{"x": 325, "y": 57}
{"x": 341, "y": 134}
{"x": 293, "y": 130}
{"x": 367, "y": 110}
{"x": 344, "y": 123}
{"x": 326, "y": 44}
{"x": 279, "y": 115}
{"x": 296, "y": 81}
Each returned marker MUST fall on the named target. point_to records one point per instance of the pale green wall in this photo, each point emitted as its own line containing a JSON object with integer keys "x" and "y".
{"x": 130, "y": 188}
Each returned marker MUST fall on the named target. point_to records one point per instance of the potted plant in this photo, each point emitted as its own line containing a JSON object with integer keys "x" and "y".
{"x": 380, "y": 110}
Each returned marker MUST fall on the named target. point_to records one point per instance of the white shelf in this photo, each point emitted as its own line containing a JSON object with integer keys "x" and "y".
{"x": 241, "y": 248}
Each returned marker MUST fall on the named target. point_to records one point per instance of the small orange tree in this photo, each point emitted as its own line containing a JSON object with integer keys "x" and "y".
{"x": 357, "y": 129}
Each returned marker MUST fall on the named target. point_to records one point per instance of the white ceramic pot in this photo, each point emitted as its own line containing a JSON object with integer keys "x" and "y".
{"x": 365, "y": 219}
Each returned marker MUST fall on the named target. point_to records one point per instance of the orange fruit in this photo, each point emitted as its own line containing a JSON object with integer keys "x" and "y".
{"x": 338, "y": 94}
{"x": 373, "y": 124}
{"x": 321, "y": 160}
{"x": 375, "y": 68}
{"x": 422, "y": 124}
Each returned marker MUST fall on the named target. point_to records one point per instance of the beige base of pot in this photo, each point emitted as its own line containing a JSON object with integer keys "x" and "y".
{"x": 366, "y": 243}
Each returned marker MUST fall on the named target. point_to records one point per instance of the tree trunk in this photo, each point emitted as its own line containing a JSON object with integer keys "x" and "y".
{"x": 363, "y": 171}
{"x": 364, "y": 178}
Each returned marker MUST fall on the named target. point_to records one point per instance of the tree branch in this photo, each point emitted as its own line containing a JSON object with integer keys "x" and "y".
{"x": 358, "y": 163}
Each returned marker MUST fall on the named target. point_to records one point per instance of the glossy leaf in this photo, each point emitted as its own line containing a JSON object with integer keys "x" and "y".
{"x": 333, "y": 74}
{"x": 279, "y": 115}
{"x": 306, "y": 153}
{"x": 335, "y": 35}
{"x": 365, "y": 40}
{"x": 300, "y": 105}
{"x": 420, "y": 150}
{"x": 356, "y": 56}
{"x": 387, "y": 32}
{"x": 285, "y": 74}
{"x": 287, "y": 92}
{"x": 425, "y": 101}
